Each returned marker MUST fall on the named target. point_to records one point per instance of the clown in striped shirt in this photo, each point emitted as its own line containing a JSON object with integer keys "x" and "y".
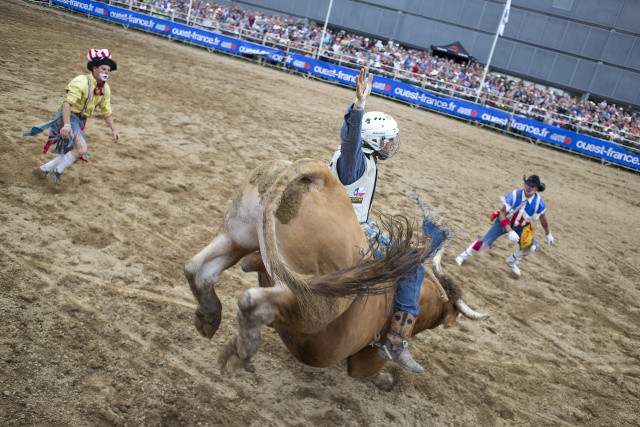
{"x": 520, "y": 208}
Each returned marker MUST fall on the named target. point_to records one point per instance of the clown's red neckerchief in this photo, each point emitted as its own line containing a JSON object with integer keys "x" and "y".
{"x": 99, "y": 89}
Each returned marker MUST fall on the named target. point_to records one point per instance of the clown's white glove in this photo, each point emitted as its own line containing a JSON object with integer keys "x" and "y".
{"x": 550, "y": 239}
{"x": 513, "y": 236}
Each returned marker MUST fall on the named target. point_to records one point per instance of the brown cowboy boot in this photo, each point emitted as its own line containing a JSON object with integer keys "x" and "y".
{"x": 395, "y": 345}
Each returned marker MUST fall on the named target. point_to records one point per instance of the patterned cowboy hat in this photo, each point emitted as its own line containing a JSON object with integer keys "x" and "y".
{"x": 98, "y": 57}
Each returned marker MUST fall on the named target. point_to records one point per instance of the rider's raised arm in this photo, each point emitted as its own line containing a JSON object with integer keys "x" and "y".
{"x": 351, "y": 163}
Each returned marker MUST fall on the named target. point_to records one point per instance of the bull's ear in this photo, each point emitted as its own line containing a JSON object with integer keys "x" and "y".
{"x": 450, "y": 317}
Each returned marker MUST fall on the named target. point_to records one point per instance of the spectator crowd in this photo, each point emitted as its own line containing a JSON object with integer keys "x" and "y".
{"x": 420, "y": 67}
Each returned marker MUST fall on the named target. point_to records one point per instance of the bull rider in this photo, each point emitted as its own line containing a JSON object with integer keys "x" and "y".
{"x": 367, "y": 138}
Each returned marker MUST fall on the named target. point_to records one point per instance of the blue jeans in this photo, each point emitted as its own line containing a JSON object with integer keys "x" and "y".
{"x": 64, "y": 146}
{"x": 409, "y": 285}
{"x": 498, "y": 230}
{"x": 61, "y": 146}
{"x": 408, "y": 291}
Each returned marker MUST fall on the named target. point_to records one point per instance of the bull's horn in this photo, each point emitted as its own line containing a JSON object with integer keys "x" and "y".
{"x": 436, "y": 261}
{"x": 468, "y": 312}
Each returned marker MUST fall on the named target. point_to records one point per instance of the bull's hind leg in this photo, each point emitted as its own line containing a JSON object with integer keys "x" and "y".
{"x": 256, "y": 308}
{"x": 365, "y": 363}
{"x": 203, "y": 271}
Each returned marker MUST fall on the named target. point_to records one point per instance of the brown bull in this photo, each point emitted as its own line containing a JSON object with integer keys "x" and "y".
{"x": 323, "y": 296}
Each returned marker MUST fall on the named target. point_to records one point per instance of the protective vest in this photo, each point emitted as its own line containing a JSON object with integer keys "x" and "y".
{"x": 362, "y": 191}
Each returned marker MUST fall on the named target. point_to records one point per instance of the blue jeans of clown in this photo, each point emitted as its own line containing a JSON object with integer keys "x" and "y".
{"x": 409, "y": 285}
{"x": 54, "y": 125}
{"x": 496, "y": 231}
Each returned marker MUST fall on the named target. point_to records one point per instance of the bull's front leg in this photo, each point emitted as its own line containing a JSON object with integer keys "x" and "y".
{"x": 256, "y": 308}
{"x": 203, "y": 272}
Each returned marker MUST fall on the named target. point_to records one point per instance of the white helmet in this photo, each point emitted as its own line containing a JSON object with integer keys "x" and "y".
{"x": 380, "y": 133}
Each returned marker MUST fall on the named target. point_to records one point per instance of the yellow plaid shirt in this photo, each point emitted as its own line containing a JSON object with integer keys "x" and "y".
{"x": 78, "y": 91}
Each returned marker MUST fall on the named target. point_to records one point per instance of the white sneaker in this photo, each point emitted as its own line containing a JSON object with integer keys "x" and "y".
{"x": 459, "y": 259}
{"x": 513, "y": 263}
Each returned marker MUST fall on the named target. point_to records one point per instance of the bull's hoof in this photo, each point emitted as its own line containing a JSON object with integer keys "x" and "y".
{"x": 231, "y": 365}
{"x": 206, "y": 323}
{"x": 385, "y": 381}
{"x": 228, "y": 361}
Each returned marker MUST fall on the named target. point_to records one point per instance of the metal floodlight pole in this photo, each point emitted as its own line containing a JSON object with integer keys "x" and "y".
{"x": 486, "y": 68}
{"x": 493, "y": 46}
{"x": 324, "y": 29}
{"x": 189, "y": 12}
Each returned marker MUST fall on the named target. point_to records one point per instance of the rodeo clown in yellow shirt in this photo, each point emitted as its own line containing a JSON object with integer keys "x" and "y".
{"x": 84, "y": 94}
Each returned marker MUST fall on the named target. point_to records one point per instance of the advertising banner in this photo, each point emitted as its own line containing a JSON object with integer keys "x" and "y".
{"x": 400, "y": 90}
{"x": 169, "y": 28}
{"x": 575, "y": 141}
{"x": 471, "y": 111}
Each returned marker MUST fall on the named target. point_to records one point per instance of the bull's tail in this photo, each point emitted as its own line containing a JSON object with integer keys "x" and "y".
{"x": 367, "y": 276}
{"x": 302, "y": 172}
{"x": 378, "y": 275}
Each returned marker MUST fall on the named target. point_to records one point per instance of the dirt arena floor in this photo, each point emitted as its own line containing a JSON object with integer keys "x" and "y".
{"x": 96, "y": 315}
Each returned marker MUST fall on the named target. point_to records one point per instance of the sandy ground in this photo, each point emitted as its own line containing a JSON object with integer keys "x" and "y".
{"x": 96, "y": 314}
